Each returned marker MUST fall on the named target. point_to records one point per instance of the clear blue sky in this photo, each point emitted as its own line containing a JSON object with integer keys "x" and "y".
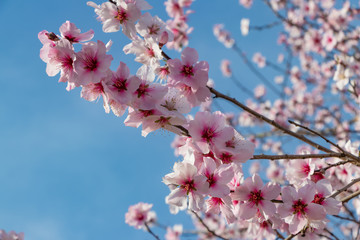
{"x": 68, "y": 169}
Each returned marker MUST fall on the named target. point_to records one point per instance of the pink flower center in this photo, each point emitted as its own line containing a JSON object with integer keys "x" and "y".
{"x": 264, "y": 225}
{"x": 142, "y": 90}
{"x": 150, "y": 52}
{"x": 153, "y": 29}
{"x": 211, "y": 180}
{"x": 317, "y": 176}
{"x": 162, "y": 121}
{"x": 299, "y": 207}
{"x": 208, "y": 134}
{"x": 306, "y": 169}
{"x": 121, "y": 15}
{"x": 226, "y": 157}
{"x": 91, "y": 63}
{"x": 230, "y": 144}
{"x": 217, "y": 201}
{"x": 255, "y": 197}
{"x": 120, "y": 84}
{"x": 67, "y": 63}
{"x": 187, "y": 71}
{"x": 71, "y": 38}
{"x": 189, "y": 186}
{"x": 146, "y": 113}
{"x": 318, "y": 199}
{"x": 98, "y": 88}
{"x": 139, "y": 216}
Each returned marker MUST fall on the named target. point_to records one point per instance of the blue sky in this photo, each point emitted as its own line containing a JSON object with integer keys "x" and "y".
{"x": 68, "y": 169}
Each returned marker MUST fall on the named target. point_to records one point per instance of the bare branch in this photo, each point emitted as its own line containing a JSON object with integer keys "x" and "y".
{"x": 355, "y": 180}
{"x": 207, "y": 227}
{"x": 298, "y": 156}
{"x": 271, "y": 122}
{"x": 151, "y": 232}
{"x": 318, "y": 134}
{"x": 351, "y": 196}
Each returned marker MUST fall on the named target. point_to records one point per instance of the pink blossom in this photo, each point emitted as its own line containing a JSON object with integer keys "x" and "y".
{"x": 223, "y": 36}
{"x": 61, "y": 58}
{"x": 298, "y": 209}
{"x": 113, "y": 16}
{"x": 189, "y": 71}
{"x": 148, "y": 95}
{"x": 261, "y": 230}
{"x": 139, "y": 214}
{"x": 152, "y": 27}
{"x": 323, "y": 191}
{"x": 69, "y": 31}
{"x": 11, "y": 235}
{"x": 174, "y": 233}
{"x": 246, "y": 3}
{"x": 92, "y": 63}
{"x": 244, "y": 26}
{"x": 234, "y": 148}
{"x": 259, "y": 60}
{"x": 260, "y": 91}
{"x": 121, "y": 86}
{"x": 186, "y": 182}
{"x": 225, "y": 68}
{"x": 147, "y": 51}
{"x": 217, "y": 177}
{"x": 221, "y": 205}
{"x": 209, "y": 129}
{"x": 93, "y": 91}
{"x": 256, "y": 198}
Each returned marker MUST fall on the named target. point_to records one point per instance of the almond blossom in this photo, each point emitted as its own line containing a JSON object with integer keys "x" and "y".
{"x": 69, "y": 31}
{"x": 139, "y": 214}
{"x": 113, "y": 16}
{"x": 186, "y": 182}
{"x": 256, "y": 198}
{"x": 92, "y": 63}
{"x": 298, "y": 209}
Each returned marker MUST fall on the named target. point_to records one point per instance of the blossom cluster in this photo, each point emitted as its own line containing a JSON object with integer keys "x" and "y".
{"x": 301, "y": 192}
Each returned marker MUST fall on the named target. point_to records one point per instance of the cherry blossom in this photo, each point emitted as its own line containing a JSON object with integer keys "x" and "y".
{"x": 92, "y": 63}
{"x": 139, "y": 214}
{"x": 298, "y": 209}
{"x": 186, "y": 182}
{"x": 256, "y": 198}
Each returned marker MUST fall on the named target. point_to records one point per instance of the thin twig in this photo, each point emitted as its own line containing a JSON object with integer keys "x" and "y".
{"x": 151, "y": 232}
{"x": 323, "y": 170}
{"x": 255, "y": 71}
{"x": 318, "y": 134}
{"x": 207, "y": 227}
{"x": 345, "y": 218}
{"x": 272, "y": 122}
{"x": 351, "y": 196}
{"x": 267, "y": 26}
{"x": 355, "y": 180}
{"x": 297, "y": 156}
{"x": 333, "y": 235}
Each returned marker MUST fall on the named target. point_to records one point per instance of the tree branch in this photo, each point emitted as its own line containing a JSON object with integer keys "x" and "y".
{"x": 207, "y": 227}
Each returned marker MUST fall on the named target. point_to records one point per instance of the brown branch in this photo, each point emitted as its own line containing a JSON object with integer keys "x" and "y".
{"x": 345, "y": 218}
{"x": 151, "y": 232}
{"x": 318, "y": 134}
{"x": 333, "y": 235}
{"x": 355, "y": 180}
{"x": 258, "y": 74}
{"x": 323, "y": 170}
{"x": 207, "y": 227}
{"x": 298, "y": 156}
{"x": 351, "y": 196}
{"x": 271, "y": 122}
